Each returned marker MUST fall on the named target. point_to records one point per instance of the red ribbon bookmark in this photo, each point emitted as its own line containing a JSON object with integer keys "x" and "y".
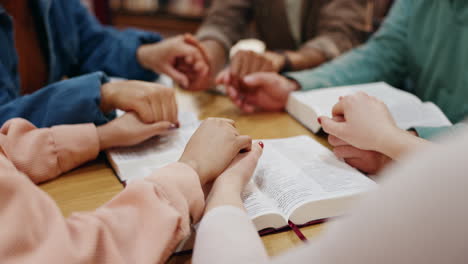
{"x": 297, "y": 231}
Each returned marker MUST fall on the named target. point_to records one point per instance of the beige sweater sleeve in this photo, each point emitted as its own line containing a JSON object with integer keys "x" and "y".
{"x": 418, "y": 215}
{"x": 43, "y": 154}
{"x": 141, "y": 225}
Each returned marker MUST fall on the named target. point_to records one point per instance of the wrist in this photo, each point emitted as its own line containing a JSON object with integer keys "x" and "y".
{"x": 106, "y": 101}
{"x": 105, "y": 137}
{"x": 143, "y": 55}
{"x": 194, "y": 165}
{"x": 223, "y": 195}
{"x": 392, "y": 143}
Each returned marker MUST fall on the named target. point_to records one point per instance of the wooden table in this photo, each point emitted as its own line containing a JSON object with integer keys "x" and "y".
{"x": 94, "y": 184}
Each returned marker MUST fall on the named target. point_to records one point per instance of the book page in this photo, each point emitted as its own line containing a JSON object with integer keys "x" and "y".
{"x": 141, "y": 160}
{"x": 298, "y": 170}
{"x": 263, "y": 211}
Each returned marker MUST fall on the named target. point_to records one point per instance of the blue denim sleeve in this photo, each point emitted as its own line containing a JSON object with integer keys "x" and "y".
{"x": 107, "y": 49}
{"x": 71, "y": 101}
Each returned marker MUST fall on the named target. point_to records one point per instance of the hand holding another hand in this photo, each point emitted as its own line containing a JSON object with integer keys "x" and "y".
{"x": 167, "y": 57}
{"x": 152, "y": 102}
{"x": 367, "y": 125}
{"x": 259, "y": 91}
{"x": 213, "y": 147}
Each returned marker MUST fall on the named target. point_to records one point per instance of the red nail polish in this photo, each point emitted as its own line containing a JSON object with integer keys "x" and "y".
{"x": 319, "y": 120}
{"x": 261, "y": 144}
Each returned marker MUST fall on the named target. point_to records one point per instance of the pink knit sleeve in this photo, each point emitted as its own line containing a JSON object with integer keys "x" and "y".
{"x": 143, "y": 224}
{"x": 43, "y": 154}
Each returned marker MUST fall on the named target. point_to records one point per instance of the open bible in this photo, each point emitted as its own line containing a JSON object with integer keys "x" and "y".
{"x": 407, "y": 109}
{"x": 299, "y": 180}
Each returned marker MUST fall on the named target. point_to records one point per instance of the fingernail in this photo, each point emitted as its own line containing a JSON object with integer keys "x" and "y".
{"x": 173, "y": 126}
{"x": 261, "y": 144}
{"x": 319, "y": 120}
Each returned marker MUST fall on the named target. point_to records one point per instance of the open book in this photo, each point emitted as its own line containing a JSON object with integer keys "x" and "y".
{"x": 139, "y": 161}
{"x": 301, "y": 181}
{"x": 407, "y": 109}
{"x": 297, "y": 178}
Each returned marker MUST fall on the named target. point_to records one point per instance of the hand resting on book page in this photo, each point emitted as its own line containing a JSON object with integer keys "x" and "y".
{"x": 152, "y": 102}
{"x": 229, "y": 185}
{"x": 213, "y": 147}
{"x": 129, "y": 130}
{"x": 368, "y": 125}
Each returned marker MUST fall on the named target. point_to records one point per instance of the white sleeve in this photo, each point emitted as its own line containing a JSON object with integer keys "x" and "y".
{"x": 226, "y": 235}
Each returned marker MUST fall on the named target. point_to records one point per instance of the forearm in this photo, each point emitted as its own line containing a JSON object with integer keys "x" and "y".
{"x": 224, "y": 195}
{"x": 305, "y": 58}
{"x": 400, "y": 142}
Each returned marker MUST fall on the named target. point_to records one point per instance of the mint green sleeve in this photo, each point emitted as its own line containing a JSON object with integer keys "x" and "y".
{"x": 383, "y": 58}
{"x": 432, "y": 132}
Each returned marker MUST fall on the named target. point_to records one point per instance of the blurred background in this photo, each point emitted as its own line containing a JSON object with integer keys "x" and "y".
{"x": 168, "y": 17}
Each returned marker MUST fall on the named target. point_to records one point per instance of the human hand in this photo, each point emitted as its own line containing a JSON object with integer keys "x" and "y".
{"x": 164, "y": 56}
{"x": 367, "y": 125}
{"x": 198, "y": 81}
{"x": 212, "y": 148}
{"x": 152, "y": 102}
{"x": 246, "y": 62}
{"x": 260, "y": 91}
{"x": 367, "y": 161}
{"x": 129, "y": 130}
{"x": 228, "y": 187}
{"x": 241, "y": 169}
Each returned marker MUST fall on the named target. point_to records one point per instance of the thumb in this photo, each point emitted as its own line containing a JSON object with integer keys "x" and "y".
{"x": 177, "y": 76}
{"x": 332, "y": 127}
{"x": 161, "y": 127}
{"x": 257, "y": 79}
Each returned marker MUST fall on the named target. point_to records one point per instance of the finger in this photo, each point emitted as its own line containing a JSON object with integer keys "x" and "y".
{"x": 256, "y": 64}
{"x": 189, "y": 39}
{"x": 248, "y": 108}
{"x": 244, "y": 143}
{"x": 245, "y": 64}
{"x": 159, "y": 128}
{"x": 201, "y": 68}
{"x": 348, "y": 152}
{"x": 338, "y": 109}
{"x": 235, "y": 65}
{"x": 189, "y": 59}
{"x": 177, "y": 76}
{"x": 227, "y": 120}
{"x": 232, "y": 92}
{"x": 223, "y": 77}
{"x": 339, "y": 118}
{"x": 257, "y": 79}
{"x": 336, "y": 142}
{"x": 157, "y": 107}
{"x": 144, "y": 111}
{"x": 174, "y": 118}
{"x": 337, "y": 129}
{"x": 361, "y": 165}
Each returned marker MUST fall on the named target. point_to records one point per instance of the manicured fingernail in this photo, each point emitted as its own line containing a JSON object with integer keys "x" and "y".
{"x": 319, "y": 120}
{"x": 173, "y": 126}
{"x": 261, "y": 144}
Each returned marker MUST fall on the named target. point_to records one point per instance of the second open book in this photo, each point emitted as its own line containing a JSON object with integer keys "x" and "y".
{"x": 407, "y": 109}
{"x": 297, "y": 179}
